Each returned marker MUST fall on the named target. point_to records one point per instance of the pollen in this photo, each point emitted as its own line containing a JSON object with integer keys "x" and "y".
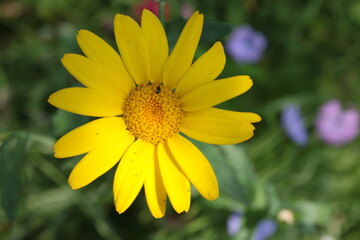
{"x": 152, "y": 113}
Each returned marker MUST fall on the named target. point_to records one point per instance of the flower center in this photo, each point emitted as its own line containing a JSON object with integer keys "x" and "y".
{"x": 152, "y": 113}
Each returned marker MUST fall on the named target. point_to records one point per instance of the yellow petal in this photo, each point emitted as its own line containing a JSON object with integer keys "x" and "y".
{"x": 156, "y": 42}
{"x": 87, "y": 101}
{"x": 226, "y": 114}
{"x": 215, "y": 130}
{"x": 195, "y": 166}
{"x": 182, "y": 56}
{"x": 154, "y": 190}
{"x": 205, "y": 69}
{"x": 131, "y": 173}
{"x": 98, "y": 161}
{"x": 91, "y": 74}
{"x": 215, "y": 92}
{"x": 106, "y": 57}
{"x": 176, "y": 184}
{"x": 131, "y": 43}
{"x": 91, "y": 136}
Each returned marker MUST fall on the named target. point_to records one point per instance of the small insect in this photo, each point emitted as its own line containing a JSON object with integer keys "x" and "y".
{"x": 158, "y": 89}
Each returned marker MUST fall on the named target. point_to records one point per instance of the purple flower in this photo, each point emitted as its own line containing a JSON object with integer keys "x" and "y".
{"x": 246, "y": 45}
{"x": 234, "y": 223}
{"x": 336, "y": 126}
{"x": 293, "y": 124}
{"x": 265, "y": 229}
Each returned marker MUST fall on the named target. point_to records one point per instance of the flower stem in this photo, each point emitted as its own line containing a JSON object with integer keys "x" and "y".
{"x": 162, "y": 11}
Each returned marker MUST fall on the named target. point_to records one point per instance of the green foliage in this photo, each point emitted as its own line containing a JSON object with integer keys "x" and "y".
{"x": 12, "y": 154}
{"x": 312, "y": 56}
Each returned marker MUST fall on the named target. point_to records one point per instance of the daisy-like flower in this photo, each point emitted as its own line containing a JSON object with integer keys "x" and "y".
{"x": 144, "y": 98}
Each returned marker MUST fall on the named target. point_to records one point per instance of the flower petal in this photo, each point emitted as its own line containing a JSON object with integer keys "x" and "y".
{"x": 205, "y": 69}
{"x": 131, "y": 173}
{"x": 131, "y": 43}
{"x": 155, "y": 190}
{"x": 182, "y": 56}
{"x": 226, "y": 114}
{"x": 195, "y": 166}
{"x": 176, "y": 184}
{"x": 106, "y": 57}
{"x": 98, "y": 161}
{"x": 91, "y": 74}
{"x": 87, "y": 101}
{"x": 215, "y": 92}
{"x": 156, "y": 42}
{"x": 91, "y": 136}
{"x": 215, "y": 130}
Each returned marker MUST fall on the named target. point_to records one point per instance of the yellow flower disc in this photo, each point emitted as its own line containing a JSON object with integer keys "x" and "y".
{"x": 152, "y": 113}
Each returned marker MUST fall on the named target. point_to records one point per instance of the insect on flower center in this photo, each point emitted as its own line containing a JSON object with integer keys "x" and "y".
{"x": 152, "y": 113}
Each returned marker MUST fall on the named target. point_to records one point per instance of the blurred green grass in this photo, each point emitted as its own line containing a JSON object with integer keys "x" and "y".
{"x": 313, "y": 55}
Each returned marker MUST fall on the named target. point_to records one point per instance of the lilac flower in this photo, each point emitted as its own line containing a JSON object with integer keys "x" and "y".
{"x": 265, "y": 229}
{"x": 234, "y": 223}
{"x": 336, "y": 126}
{"x": 293, "y": 124}
{"x": 246, "y": 45}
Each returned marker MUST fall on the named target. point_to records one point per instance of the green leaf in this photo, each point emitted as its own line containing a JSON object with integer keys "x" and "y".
{"x": 64, "y": 122}
{"x": 238, "y": 161}
{"x": 312, "y": 213}
{"x": 173, "y": 30}
{"x": 214, "y": 31}
{"x": 234, "y": 173}
{"x": 12, "y": 154}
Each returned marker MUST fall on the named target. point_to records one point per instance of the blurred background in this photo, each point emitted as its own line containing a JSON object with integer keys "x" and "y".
{"x": 295, "y": 179}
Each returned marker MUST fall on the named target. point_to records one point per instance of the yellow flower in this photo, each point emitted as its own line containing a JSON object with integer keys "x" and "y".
{"x": 144, "y": 99}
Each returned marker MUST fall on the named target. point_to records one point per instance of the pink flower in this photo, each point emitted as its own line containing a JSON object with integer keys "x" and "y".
{"x": 336, "y": 126}
{"x": 187, "y": 10}
{"x": 152, "y": 6}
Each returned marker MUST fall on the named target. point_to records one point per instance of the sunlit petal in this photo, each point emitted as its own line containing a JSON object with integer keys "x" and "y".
{"x": 132, "y": 46}
{"x": 182, "y": 56}
{"x": 156, "y": 43}
{"x": 176, "y": 184}
{"x": 106, "y": 57}
{"x": 87, "y": 101}
{"x": 226, "y": 114}
{"x": 195, "y": 166}
{"x": 91, "y": 74}
{"x": 216, "y": 130}
{"x": 131, "y": 173}
{"x": 205, "y": 69}
{"x": 91, "y": 136}
{"x": 98, "y": 161}
{"x": 155, "y": 190}
{"x": 215, "y": 92}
